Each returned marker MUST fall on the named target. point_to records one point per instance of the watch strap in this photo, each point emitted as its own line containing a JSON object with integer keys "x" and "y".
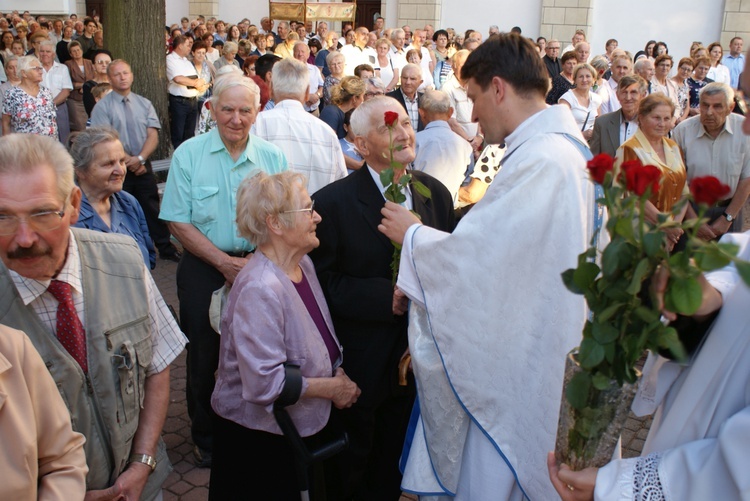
{"x": 149, "y": 461}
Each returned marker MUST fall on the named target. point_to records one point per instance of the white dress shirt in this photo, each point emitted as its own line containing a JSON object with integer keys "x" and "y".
{"x": 309, "y": 144}
{"x": 443, "y": 154}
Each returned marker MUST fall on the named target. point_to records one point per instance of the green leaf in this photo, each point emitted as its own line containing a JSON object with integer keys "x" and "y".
{"x": 590, "y": 354}
{"x": 624, "y": 228}
{"x": 646, "y": 314}
{"x": 683, "y": 295}
{"x": 609, "y": 352}
{"x": 653, "y": 242}
{"x": 743, "y": 267}
{"x": 386, "y": 177}
{"x": 669, "y": 339}
{"x": 600, "y": 381}
{"x": 607, "y": 313}
{"x": 577, "y": 391}
{"x": 610, "y": 257}
{"x": 604, "y": 333}
{"x": 711, "y": 257}
{"x": 640, "y": 271}
{"x": 585, "y": 275}
{"x": 567, "y": 278}
{"x": 422, "y": 189}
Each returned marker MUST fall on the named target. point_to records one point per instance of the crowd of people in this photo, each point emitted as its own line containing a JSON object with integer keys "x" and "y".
{"x": 446, "y": 378}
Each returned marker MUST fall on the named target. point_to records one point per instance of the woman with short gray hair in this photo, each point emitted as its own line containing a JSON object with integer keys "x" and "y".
{"x": 227, "y": 56}
{"x": 99, "y": 162}
{"x": 278, "y": 345}
{"x": 29, "y": 107}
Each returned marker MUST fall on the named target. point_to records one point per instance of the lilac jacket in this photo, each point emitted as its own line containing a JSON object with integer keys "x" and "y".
{"x": 265, "y": 325}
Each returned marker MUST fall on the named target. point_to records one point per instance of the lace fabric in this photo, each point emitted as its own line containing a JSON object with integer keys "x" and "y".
{"x": 646, "y": 483}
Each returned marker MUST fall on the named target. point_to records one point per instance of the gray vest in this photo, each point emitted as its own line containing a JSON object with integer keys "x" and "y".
{"x": 105, "y": 404}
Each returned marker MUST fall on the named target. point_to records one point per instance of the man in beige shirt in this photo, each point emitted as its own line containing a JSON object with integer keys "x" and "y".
{"x": 713, "y": 145}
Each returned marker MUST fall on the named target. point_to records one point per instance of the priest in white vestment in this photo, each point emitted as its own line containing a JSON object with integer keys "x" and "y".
{"x": 490, "y": 320}
{"x": 698, "y": 447}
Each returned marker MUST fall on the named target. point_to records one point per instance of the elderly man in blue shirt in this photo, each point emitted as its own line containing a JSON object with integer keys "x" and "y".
{"x": 199, "y": 205}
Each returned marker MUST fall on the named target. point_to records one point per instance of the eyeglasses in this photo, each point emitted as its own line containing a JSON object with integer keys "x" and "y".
{"x": 310, "y": 209}
{"x": 36, "y": 68}
{"x": 373, "y": 94}
{"x": 40, "y": 222}
{"x": 103, "y": 61}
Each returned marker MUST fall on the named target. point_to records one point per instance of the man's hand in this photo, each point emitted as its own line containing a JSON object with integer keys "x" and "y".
{"x": 706, "y": 232}
{"x": 571, "y": 485}
{"x": 720, "y": 226}
{"x": 134, "y": 166}
{"x": 400, "y": 302}
{"x": 396, "y": 220}
{"x": 312, "y": 99}
{"x": 476, "y": 142}
{"x": 346, "y": 392}
{"x": 132, "y": 481}
{"x": 232, "y": 266}
{"x": 111, "y": 494}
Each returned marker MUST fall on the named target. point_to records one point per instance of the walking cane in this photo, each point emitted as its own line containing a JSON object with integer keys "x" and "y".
{"x": 303, "y": 457}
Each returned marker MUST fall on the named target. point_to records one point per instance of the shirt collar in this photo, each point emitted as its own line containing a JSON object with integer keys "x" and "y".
{"x": 217, "y": 145}
{"x": 435, "y": 124}
{"x": 30, "y": 289}
{"x": 727, "y": 127}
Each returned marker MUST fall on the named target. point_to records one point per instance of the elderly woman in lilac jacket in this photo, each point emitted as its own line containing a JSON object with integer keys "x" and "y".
{"x": 276, "y": 315}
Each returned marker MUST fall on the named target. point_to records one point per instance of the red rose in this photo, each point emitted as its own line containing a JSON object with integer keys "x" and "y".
{"x": 599, "y": 166}
{"x": 208, "y": 105}
{"x": 391, "y": 117}
{"x": 708, "y": 190}
{"x": 639, "y": 177}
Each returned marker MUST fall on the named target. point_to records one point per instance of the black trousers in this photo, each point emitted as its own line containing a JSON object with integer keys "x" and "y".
{"x": 196, "y": 281}
{"x": 256, "y": 465}
{"x": 184, "y": 112}
{"x": 145, "y": 190}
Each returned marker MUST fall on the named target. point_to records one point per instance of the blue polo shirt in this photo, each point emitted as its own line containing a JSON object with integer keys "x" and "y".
{"x": 202, "y": 185}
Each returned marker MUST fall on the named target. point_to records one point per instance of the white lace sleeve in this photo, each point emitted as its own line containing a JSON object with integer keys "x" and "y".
{"x": 646, "y": 484}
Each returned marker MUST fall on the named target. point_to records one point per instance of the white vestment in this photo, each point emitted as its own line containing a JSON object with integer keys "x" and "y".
{"x": 491, "y": 322}
{"x": 701, "y": 429}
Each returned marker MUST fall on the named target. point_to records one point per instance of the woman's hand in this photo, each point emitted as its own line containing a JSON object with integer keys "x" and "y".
{"x": 587, "y": 134}
{"x": 673, "y": 236}
{"x": 571, "y": 485}
{"x": 345, "y": 392}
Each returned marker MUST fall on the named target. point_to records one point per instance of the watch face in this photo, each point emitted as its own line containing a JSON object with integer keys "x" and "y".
{"x": 729, "y": 217}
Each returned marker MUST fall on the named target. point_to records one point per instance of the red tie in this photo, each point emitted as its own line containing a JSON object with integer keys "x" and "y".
{"x": 70, "y": 331}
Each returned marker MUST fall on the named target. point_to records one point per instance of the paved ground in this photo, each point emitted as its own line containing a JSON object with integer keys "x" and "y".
{"x": 189, "y": 483}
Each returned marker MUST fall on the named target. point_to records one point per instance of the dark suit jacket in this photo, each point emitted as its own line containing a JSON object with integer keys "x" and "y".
{"x": 399, "y": 96}
{"x": 353, "y": 266}
{"x": 606, "y": 136}
{"x": 553, "y": 67}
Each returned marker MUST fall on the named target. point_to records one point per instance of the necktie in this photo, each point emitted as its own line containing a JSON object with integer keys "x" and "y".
{"x": 130, "y": 128}
{"x": 69, "y": 328}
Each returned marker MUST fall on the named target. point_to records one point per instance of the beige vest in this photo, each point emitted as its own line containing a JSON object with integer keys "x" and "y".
{"x": 105, "y": 404}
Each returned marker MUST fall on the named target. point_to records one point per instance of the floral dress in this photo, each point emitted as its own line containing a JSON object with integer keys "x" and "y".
{"x": 29, "y": 114}
{"x": 329, "y": 82}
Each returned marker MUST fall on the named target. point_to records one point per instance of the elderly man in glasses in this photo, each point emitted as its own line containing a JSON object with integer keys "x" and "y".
{"x": 92, "y": 311}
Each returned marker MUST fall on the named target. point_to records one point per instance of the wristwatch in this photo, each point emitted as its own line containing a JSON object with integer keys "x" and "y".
{"x": 728, "y": 217}
{"x": 143, "y": 458}
{"x": 142, "y": 160}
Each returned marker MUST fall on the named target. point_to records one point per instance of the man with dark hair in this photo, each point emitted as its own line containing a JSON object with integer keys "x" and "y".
{"x": 184, "y": 87}
{"x": 87, "y": 38}
{"x": 487, "y": 421}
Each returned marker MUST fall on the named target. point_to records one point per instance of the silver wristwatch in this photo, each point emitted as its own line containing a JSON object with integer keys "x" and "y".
{"x": 728, "y": 217}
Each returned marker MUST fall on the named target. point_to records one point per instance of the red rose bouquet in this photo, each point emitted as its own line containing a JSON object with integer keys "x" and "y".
{"x": 624, "y": 319}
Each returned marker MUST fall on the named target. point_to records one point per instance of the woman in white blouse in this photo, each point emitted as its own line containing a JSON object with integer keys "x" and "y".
{"x": 582, "y": 101}
{"x": 718, "y": 72}
{"x": 386, "y": 70}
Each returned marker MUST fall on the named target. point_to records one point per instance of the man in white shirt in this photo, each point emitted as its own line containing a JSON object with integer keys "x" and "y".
{"x": 56, "y": 78}
{"x": 398, "y": 52}
{"x": 621, "y": 66}
{"x": 358, "y": 52}
{"x": 713, "y": 145}
{"x": 301, "y": 54}
{"x": 310, "y": 145}
{"x": 440, "y": 152}
{"x": 578, "y": 37}
{"x": 184, "y": 88}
